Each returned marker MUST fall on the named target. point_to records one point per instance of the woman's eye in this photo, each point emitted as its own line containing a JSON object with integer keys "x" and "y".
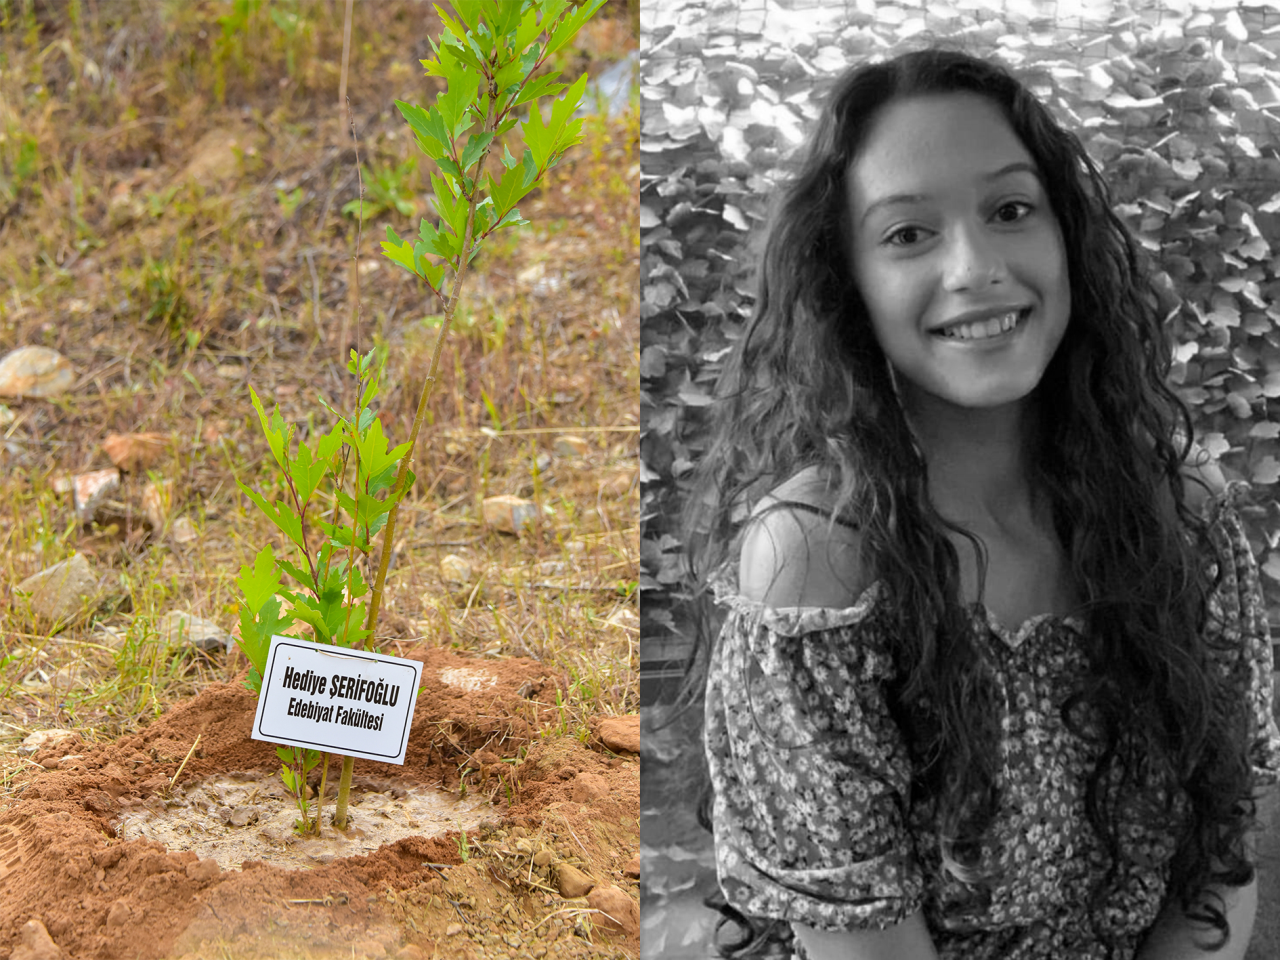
{"x": 1013, "y": 211}
{"x": 905, "y": 237}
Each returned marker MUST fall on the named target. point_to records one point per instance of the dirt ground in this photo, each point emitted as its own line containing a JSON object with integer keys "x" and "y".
{"x": 557, "y": 803}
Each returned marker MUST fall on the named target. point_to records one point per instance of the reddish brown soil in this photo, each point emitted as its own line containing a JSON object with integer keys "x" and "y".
{"x": 571, "y": 804}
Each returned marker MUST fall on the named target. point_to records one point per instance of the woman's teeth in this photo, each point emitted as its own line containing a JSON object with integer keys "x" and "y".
{"x": 982, "y": 329}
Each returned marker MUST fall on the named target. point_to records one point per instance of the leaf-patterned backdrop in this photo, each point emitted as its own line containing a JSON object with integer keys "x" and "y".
{"x": 1178, "y": 102}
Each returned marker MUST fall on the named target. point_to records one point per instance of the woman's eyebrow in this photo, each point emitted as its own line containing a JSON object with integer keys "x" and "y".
{"x": 1018, "y": 166}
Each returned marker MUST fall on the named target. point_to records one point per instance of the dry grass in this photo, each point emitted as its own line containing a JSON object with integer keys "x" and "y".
{"x": 170, "y": 220}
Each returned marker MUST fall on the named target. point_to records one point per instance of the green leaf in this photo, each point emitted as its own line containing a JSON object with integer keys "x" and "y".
{"x": 398, "y": 251}
{"x": 476, "y": 145}
{"x": 568, "y": 130}
{"x": 290, "y": 782}
{"x": 569, "y": 27}
{"x": 277, "y": 436}
{"x": 328, "y": 445}
{"x": 285, "y": 754}
{"x": 260, "y": 582}
{"x": 434, "y": 242}
{"x": 531, "y": 170}
{"x": 528, "y": 30}
{"x": 541, "y": 86}
{"x": 306, "y": 473}
{"x": 433, "y": 136}
{"x": 281, "y": 514}
{"x": 511, "y": 218}
{"x": 302, "y": 577}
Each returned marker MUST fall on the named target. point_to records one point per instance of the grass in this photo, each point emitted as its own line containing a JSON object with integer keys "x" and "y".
{"x": 171, "y": 197}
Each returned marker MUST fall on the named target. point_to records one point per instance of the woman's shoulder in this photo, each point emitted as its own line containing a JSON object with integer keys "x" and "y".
{"x": 796, "y": 549}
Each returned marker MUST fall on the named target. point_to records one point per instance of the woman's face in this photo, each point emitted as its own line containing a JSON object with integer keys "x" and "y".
{"x": 956, "y": 252}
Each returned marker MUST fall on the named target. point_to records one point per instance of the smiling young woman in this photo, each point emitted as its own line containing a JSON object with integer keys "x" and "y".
{"x": 988, "y": 686}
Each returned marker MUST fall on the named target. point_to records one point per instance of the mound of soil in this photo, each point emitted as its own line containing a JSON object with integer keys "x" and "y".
{"x": 562, "y": 811}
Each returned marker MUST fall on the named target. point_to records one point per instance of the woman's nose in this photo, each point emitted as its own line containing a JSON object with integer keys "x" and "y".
{"x": 973, "y": 260}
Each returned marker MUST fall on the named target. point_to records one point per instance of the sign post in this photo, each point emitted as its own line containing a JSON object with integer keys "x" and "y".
{"x": 350, "y": 702}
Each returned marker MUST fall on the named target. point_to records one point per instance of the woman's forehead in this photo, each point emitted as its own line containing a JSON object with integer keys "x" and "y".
{"x": 922, "y": 145}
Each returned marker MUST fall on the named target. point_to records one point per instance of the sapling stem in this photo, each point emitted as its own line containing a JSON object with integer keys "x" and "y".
{"x": 324, "y": 776}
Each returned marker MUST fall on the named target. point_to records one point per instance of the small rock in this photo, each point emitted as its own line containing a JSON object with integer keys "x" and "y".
{"x": 203, "y": 870}
{"x": 35, "y": 372}
{"x": 617, "y": 910}
{"x": 119, "y": 914}
{"x": 411, "y": 951}
{"x": 621, "y": 734}
{"x": 589, "y": 786}
{"x": 89, "y": 490}
{"x": 571, "y": 446}
{"x": 453, "y": 930}
{"x": 573, "y": 882}
{"x": 177, "y": 629}
{"x": 542, "y": 858}
{"x": 242, "y": 816}
{"x": 509, "y": 514}
{"x": 183, "y": 530}
{"x": 36, "y": 943}
{"x": 134, "y": 451}
{"x": 619, "y": 485}
{"x": 157, "y": 499}
{"x": 72, "y": 675}
{"x": 213, "y": 159}
{"x": 62, "y": 591}
{"x": 632, "y": 868}
{"x": 39, "y": 739}
{"x": 229, "y": 371}
{"x": 455, "y": 569}
{"x": 369, "y": 948}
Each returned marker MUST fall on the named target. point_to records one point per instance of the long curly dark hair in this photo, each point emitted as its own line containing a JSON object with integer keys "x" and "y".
{"x": 808, "y": 385}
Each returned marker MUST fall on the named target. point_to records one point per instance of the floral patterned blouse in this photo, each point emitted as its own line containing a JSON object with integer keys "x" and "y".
{"x": 814, "y": 818}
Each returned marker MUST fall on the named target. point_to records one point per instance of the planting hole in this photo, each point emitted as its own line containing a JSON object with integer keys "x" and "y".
{"x": 236, "y": 817}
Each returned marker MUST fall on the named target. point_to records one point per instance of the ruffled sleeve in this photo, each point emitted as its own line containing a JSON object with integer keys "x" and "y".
{"x": 1238, "y": 612}
{"x": 810, "y": 773}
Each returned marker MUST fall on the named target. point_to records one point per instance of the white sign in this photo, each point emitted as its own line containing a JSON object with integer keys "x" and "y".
{"x": 352, "y": 702}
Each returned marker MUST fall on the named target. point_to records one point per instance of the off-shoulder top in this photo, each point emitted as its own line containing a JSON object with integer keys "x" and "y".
{"x": 814, "y": 816}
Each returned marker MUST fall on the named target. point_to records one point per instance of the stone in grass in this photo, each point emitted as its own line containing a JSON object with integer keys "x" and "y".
{"x": 90, "y": 491}
{"x": 36, "y": 944}
{"x": 183, "y": 530}
{"x": 35, "y": 372}
{"x": 135, "y": 451}
{"x": 617, "y": 910}
{"x": 573, "y": 882}
{"x": 63, "y": 591}
{"x": 37, "y": 740}
{"x": 621, "y": 734}
{"x": 177, "y": 629}
{"x": 157, "y": 499}
{"x": 509, "y": 514}
{"x": 455, "y": 569}
{"x": 567, "y": 446}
